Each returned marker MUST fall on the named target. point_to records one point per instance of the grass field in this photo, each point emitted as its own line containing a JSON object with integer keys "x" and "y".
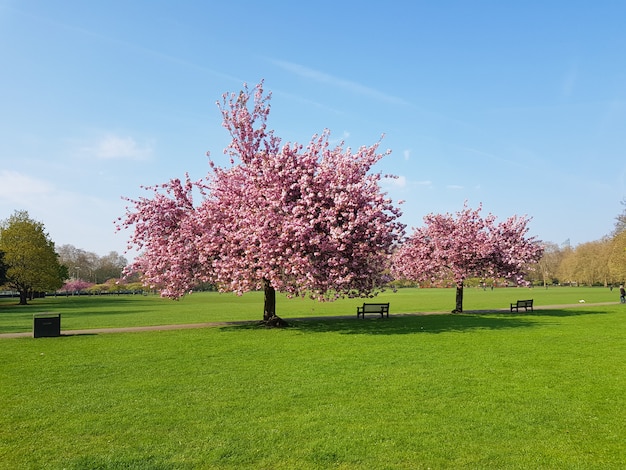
{"x": 477, "y": 390}
{"x": 81, "y": 312}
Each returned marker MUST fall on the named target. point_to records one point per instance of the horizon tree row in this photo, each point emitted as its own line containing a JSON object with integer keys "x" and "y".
{"x": 596, "y": 263}
{"x": 89, "y": 267}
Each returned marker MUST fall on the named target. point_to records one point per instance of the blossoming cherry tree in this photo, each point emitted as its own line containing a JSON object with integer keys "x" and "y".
{"x": 303, "y": 220}
{"x": 467, "y": 245}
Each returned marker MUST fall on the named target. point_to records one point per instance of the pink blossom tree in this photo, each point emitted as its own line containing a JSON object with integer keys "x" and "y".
{"x": 466, "y": 246}
{"x": 166, "y": 233}
{"x": 76, "y": 285}
{"x": 283, "y": 217}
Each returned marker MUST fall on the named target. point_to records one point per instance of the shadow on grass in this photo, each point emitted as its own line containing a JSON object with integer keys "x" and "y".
{"x": 570, "y": 312}
{"x": 432, "y": 323}
{"x": 399, "y": 325}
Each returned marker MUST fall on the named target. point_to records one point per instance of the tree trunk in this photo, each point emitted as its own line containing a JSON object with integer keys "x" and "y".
{"x": 269, "y": 306}
{"x": 459, "y": 299}
{"x": 23, "y": 297}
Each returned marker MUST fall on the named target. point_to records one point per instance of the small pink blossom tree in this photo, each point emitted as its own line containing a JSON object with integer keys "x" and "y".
{"x": 76, "y": 285}
{"x": 283, "y": 217}
{"x": 466, "y": 246}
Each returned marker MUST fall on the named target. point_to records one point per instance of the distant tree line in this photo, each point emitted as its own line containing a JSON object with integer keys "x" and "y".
{"x": 596, "y": 263}
{"x": 87, "y": 266}
{"x": 93, "y": 274}
{"x": 30, "y": 264}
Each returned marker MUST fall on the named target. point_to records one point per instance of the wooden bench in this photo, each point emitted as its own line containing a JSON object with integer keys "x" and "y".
{"x": 373, "y": 308}
{"x": 526, "y": 304}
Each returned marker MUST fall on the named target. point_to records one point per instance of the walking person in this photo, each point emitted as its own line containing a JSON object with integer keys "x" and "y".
{"x": 622, "y": 294}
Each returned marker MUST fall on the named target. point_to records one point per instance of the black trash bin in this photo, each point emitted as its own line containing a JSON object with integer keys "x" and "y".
{"x": 46, "y": 325}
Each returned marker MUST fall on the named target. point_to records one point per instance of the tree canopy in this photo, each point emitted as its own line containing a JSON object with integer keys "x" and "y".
{"x": 32, "y": 263}
{"x": 467, "y": 245}
{"x": 304, "y": 220}
{"x": 617, "y": 257}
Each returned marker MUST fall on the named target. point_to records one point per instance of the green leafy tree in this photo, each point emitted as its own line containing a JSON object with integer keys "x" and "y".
{"x": 32, "y": 263}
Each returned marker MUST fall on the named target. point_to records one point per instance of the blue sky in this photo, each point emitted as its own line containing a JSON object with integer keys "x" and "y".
{"x": 520, "y": 107}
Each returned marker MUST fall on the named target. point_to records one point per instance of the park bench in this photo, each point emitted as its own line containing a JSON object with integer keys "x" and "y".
{"x": 373, "y": 308}
{"x": 526, "y": 304}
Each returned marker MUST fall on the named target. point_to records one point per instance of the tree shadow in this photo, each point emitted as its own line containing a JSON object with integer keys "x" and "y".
{"x": 400, "y": 324}
{"x": 570, "y": 312}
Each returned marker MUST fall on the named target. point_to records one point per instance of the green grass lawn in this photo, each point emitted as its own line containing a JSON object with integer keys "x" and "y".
{"x": 81, "y": 312}
{"x": 477, "y": 390}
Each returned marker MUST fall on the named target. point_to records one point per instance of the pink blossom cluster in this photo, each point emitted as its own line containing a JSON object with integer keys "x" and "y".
{"x": 76, "y": 285}
{"x": 307, "y": 220}
{"x": 166, "y": 233}
{"x": 467, "y": 245}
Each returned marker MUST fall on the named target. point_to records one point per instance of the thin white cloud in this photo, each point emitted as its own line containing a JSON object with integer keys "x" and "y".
{"x": 394, "y": 182}
{"x": 113, "y": 147}
{"x": 18, "y": 188}
{"x": 70, "y": 217}
{"x": 115, "y": 41}
{"x": 454, "y": 187}
{"x": 401, "y": 182}
{"x": 406, "y": 154}
{"x": 322, "y": 77}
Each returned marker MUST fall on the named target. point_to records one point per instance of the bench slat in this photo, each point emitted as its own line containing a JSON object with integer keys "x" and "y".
{"x": 525, "y": 304}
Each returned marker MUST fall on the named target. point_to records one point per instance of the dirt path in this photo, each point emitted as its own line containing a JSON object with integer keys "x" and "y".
{"x": 187, "y": 326}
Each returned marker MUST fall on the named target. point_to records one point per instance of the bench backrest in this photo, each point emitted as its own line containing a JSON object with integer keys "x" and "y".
{"x": 524, "y": 303}
{"x": 375, "y": 307}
